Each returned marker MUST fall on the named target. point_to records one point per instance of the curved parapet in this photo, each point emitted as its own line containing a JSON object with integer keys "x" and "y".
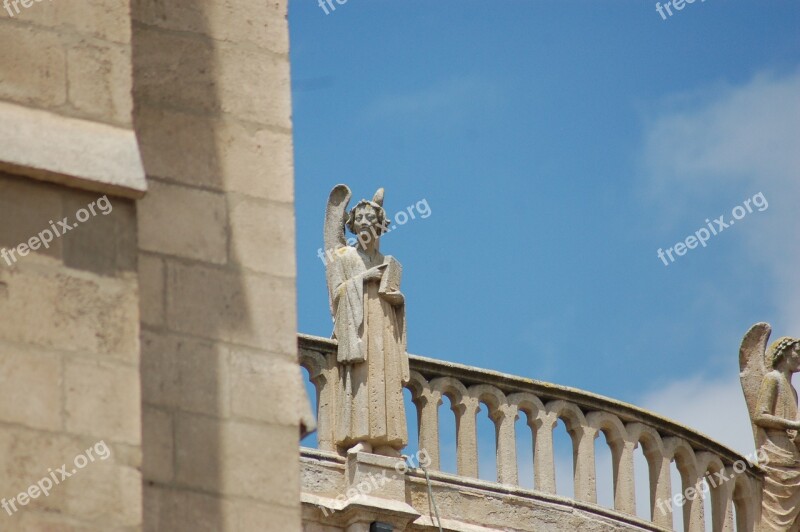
{"x": 467, "y": 503}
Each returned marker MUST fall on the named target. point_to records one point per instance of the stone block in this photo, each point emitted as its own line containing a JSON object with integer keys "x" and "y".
{"x": 193, "y": 154}
{"x": 184, "y": 373}
{"x": 27, "y": 456}
{"x": 186, "y": 511}
{"x": 31, "y": 383}
{"x": 198, "y": 452}
{"x": 100, "y": 82}
{"x": 263, "y": 236}
{"x": 189, "y": 73}
{"x": 103, "y": 401}
{"x": 26, "y": 209}
{"x": 29, "y": 521}
{"x": 255, "y": 516}
{"x": 197, "y": 222}
{"x": 175, "y": 71}
{"x": 246, "y": 309}
{"x": 261, "y": 24}
{"x": 219, "y": 153}
{"x": 255, "y": 461}
{"x": 101, "y": 19}
{"x": 264, "y": 387}
{"x": 248, "y": 82}
{"x": 262, "y": 463}
{"x": 157, "y": 445}
{"x": 33, "y": 64}
{"x": 106, "y": 242}
{"x": 372, "y": 475}
{"x": 71, "y": 311}
{"x": 152, "y": 281}
{"x": 104, "y": 492}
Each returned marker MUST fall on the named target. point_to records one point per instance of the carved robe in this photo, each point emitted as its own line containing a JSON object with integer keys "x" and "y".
{"x": 370, "y": 326}
{"x": 780, "y": 508}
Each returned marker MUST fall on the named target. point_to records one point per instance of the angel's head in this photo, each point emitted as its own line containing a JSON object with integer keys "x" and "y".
{"x": 786, "y": 350}
{"x": 368, "y": 218}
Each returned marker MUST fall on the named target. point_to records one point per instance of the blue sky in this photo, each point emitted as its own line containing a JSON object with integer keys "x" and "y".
{"x": 559, "y": 145}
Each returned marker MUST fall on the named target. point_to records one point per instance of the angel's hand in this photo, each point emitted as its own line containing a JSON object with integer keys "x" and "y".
{"x": 374, "y": 274}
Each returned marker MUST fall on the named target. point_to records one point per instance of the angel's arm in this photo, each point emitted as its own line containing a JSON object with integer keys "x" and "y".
{"x": 767, "y": 398}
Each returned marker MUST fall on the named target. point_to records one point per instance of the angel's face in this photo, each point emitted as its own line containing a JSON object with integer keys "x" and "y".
{"x": 365, "y": 220}
{"x": 794, "y": 357}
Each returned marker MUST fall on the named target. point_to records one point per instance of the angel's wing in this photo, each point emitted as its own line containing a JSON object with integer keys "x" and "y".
{"x": 753, "y": 366}
{"x": 335, "y": 218}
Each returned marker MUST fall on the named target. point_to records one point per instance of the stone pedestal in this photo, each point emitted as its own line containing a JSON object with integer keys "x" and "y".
{"x": 376, "y": 491}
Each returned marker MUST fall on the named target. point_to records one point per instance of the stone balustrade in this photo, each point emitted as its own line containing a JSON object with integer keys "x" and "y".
{"x": 585, "y": 416}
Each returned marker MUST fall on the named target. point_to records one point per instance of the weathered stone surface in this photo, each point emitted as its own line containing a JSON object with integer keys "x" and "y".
{"x": 81, "y": 153}
{"x": 100, "y": 83}
{"x": 185, "y": 373}
{"x": 70, "y": 311}
{"x": 152, "y": 294}
{"x": 236, "y": 459}
{"x": 102, "y": 401}
{"x": 31, "y": 385}
{"x": 105, "y": 243}
{"x": 118, "y": 502}
{"x": 189, "y": 73}
{"x": 253, "y": 392}
{"x": 261, "y": 24}
{"x": 197, "y": 222}
{"x": 34, "y": 67}
{"x": 223, "y": 305}
{"x": 247, "y": 159}
{"x": 26, "y": 209}
{"x": 158, "y": 446}
{"x": 261, "y": 221}
{"x": 100, "y": 19}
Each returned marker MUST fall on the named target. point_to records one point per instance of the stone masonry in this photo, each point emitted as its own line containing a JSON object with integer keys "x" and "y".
{"x": 166, "y": 329}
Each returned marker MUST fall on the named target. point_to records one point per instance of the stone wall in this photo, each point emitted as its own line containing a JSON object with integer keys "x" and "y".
{"x": 216, "y": 266}
{"x": 69, "y": 361}
{"x": 167, "y": 328}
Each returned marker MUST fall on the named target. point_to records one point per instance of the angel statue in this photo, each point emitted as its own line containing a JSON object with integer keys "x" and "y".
{"x": 766, "y": 376}
{"x": 368, "y": 313}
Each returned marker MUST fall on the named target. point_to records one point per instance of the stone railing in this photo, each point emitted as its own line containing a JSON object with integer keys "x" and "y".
{"x": 585, "y": 415}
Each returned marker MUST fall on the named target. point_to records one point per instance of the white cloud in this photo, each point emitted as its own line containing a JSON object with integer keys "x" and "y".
{"x": 715, "y": 407}
{"x": 745, "y": 137}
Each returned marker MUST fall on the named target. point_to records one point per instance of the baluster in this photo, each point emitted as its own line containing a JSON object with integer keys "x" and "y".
{"x": 583, "y": 449}
{"x": 428, "y": 404}
{"x": 694, "y": 510}
{"x": 661, "y": 506}
{"x": 504, "y": 418}
{"x": 722, "y": 502}
{"x": 624, "y": 478}
{"x": 466, "y": 436}
{"x": 543, "y": 458}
